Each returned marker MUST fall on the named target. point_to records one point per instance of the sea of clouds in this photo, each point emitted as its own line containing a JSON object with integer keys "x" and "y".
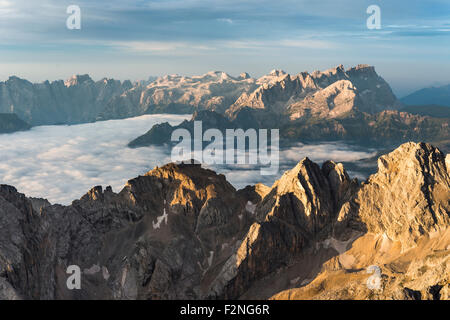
{"x": 61, "y": 163}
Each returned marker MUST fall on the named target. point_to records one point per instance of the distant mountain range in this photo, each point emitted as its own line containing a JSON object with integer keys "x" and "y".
{"x": 383, "y": 129}
{"x": 76, "y": 100}
{"x": 338, "y": 103}
{"x": 429, "y": 96}
{"x": 428, "y": 110}
{"x": 80, "y": 99}
{"x": 327, "y": 94}
{"x": 214, "y": 91}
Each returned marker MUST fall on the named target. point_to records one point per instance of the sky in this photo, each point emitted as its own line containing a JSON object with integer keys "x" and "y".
{"x": 138, "y": 39}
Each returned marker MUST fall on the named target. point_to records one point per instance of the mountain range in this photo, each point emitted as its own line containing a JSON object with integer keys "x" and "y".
{"x": 329, "y": 94}
{"x": 325, "y": 94}
{"x": 336, "y": 104}
{"x": 80, "y": 99}
{"x": 384, "y": 129}
{"x": 353, "y": 104}
{"x": 184, "y": 232}
{"x": 76, "y": 100}
{"x": 429, "y": 96}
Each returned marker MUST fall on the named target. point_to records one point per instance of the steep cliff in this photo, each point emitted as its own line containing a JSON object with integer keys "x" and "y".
{"x": 76, "y": 100}
{"x": 326, "y": 94}
{"x": 10, "y": 122}
{"x": 181, "y": 231}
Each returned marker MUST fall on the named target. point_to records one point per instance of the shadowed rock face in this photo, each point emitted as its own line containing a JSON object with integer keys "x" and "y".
{"x": 298, "y": 211}
{"x": 153, "y": 240}
{"x": 10, "y": 122}
{"x": 76, "y": 100}
{"x": 181, "y": 231}
{"x": 386, "y": 128}
{"x": 427, "y": 96}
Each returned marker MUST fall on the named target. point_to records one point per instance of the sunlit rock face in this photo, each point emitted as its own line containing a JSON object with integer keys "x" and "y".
{"x": 408, "y": 196}
{"x": 215, "y": 91}
{"x": 183, "y": 232}
{"x": 327, "y": 94}
{"x": 10, "y": 122}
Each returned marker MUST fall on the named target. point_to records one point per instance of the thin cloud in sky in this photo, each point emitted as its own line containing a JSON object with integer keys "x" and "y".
{"x": 178, "y": 35}
{"x": 226, "y": 20}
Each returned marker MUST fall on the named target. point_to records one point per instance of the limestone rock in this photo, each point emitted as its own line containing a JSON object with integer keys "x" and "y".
{"x": 183, "y": 232}
{"x": 408, "y": 196}
{"x": 77, "y": 100}
{"x": 327, "y": 94}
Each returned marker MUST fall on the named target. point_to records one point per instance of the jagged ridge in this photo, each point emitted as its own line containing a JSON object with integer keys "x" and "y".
{"x": 182, "y": 231}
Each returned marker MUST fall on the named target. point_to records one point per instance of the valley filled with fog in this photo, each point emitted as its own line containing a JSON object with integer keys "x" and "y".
{"x": 61, "y": 163}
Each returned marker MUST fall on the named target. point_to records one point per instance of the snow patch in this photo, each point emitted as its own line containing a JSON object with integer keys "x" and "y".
{"x": 105, "y": 273}
{"x": 210, "y": 258}
{"x": 250, "y": 207}
{"x": 294, "y": 281}
{"x": 160, "y": 219}
{"x": 124, "y": 276}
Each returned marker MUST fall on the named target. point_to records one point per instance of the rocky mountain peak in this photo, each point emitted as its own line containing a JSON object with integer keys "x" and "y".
{"x": 307, "y": 195}
{"x": 216, "y": 75}
{"x": 325, "y": 94}
{"x": 329, "y": 72}
{"x": 244, "y": 75}
{"x": 362, "y": 68}
{"x": 182, "y": 231}
{"x": 16, "y": 83}
{"x": 277, "y": 72}
{"x": 78, "y": 80}
{"x": 15, "y": 79}
{"x": 420, "y": 158}
{"x": 385, "y": 202}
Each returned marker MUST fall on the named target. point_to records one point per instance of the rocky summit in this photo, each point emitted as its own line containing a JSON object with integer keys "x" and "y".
{"x": 183, "y": 232}
{"x": 327, "y": 94}
{"x": 354, "y": 104}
